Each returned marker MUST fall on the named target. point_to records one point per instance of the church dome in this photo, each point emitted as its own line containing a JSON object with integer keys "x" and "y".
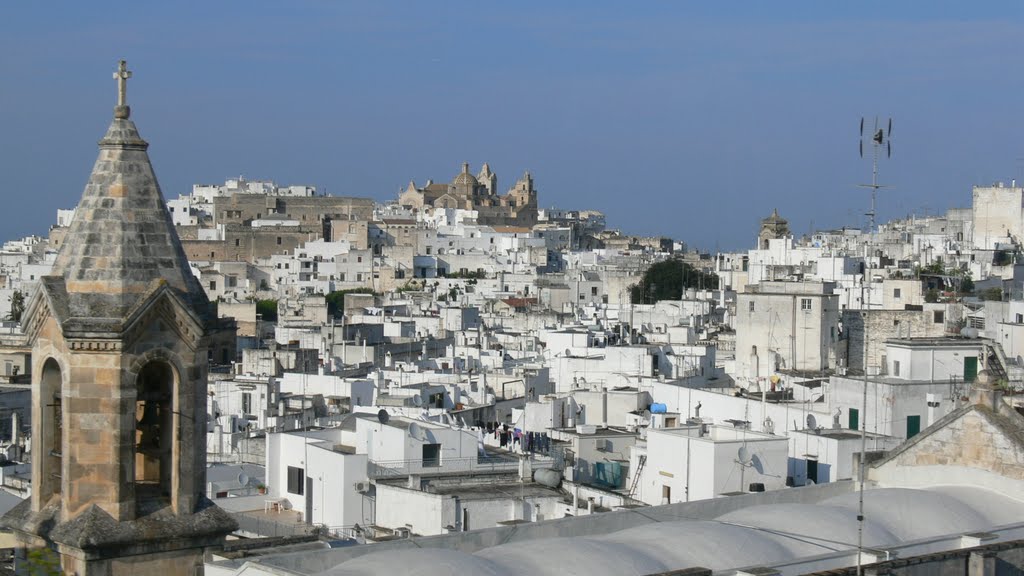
{"x": 465, "y": 178}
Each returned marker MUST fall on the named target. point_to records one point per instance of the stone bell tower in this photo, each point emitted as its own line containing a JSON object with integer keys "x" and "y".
{"x": 119, "y": 337}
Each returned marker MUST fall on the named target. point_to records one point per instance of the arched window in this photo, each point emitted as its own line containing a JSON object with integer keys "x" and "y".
{"x": 154, "y": 431}
{"x": 51, "y": 429}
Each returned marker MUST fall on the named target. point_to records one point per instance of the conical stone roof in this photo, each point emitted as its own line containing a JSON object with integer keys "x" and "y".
{"x": 122, "y": 244}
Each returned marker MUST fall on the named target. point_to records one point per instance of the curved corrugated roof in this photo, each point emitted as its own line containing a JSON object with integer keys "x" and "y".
{"x": 757, "y": 535}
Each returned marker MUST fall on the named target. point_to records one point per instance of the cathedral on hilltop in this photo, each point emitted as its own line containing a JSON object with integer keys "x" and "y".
{"x": 120, "y": 334}
{"x": 467, "y": 192}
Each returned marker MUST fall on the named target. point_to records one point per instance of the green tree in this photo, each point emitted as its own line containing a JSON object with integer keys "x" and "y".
{"x": 336, "y": 300}
{"x": 931, "y": 296}
{"x": 267, "y": 309}
{"x": 43, "y": 562}
{"x": 667, "y": 279}
{"x": 995, "y": 293}
{"x": 17, "y": 306}
{"x": 966, "y": 282}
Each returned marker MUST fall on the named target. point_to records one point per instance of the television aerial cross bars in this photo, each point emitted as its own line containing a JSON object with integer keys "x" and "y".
{"x": 880, "y": 138}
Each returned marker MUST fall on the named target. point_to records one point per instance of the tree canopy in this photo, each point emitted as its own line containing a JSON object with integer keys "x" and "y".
{"x": 336, "y": 300}
{"x": 666, "y": 280}
{"x": 17, "y": 306}
{"x": 267, "y": 309}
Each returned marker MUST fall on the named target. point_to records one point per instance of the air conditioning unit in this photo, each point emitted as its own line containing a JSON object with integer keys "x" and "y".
{"x": 362, "y": 487}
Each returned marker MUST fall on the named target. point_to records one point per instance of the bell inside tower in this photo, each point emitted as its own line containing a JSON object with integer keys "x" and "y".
{"x": 154, "y": 432}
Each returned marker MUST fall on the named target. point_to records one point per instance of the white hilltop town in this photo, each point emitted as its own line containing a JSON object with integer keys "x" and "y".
{"x": 260, "y": 379}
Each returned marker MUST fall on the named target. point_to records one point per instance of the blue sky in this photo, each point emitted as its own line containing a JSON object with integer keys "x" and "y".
{"x": 675, "y": 118}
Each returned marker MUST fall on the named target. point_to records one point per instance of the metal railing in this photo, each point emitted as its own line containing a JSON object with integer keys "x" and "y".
{"x": 480, "y": 465}
{"x": 255, "y": 524}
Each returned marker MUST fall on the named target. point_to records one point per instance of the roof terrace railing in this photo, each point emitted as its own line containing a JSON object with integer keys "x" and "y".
{"x": 385, "y": 469}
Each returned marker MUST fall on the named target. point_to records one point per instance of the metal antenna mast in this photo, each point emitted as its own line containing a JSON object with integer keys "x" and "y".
{"x": 880, "y": 138}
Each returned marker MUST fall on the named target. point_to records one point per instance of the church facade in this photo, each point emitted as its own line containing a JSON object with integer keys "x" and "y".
{"x": 518, "y": 207}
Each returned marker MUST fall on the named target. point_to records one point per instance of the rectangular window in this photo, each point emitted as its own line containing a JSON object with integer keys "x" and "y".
{"x": 805, "y": 304}
{"x": 970, "y": 368}
{"x": 278, "y": 240}
{"x": 238, "y": 242}
{"x": 1020, "y": 318}
{"x": 296, "y": 480}
{"x": 895, "y": 367}
{"x": 854, "y": 417}
{"x": 593, "y": 290}
{"x": 939, "y": 316}
{"x": 213, "y": 284}
{"x": 896, "y": 293}
{"x": 751, "y": 305}
{"x": 913, "y": 426}
{"x": 431, "y": 455}
{"x": 246, "y": 403}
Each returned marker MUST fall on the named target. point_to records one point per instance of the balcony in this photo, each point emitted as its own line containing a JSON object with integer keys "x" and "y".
{"x": 492, "y": 464}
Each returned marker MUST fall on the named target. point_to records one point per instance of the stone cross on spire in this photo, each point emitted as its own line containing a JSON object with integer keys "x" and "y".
{"x": 122, "y": 75}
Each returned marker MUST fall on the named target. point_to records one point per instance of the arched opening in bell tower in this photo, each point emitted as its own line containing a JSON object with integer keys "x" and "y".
{"x": 154, "y": 432}
{"x": 51, "y": 429}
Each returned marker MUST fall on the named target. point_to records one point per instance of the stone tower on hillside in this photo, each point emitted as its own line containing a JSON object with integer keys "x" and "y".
{"x": 119, "y": 338}
{"x": 772, "y": 227}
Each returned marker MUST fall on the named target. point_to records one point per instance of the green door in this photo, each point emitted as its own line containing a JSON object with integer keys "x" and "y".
{"x": 970, "y": 368}
{"x": 913, "y": 426}
{"x": 854, "y": 419}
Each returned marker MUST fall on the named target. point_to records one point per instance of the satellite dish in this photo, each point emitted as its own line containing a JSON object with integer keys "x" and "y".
{"x": 417, "y": 401}
{"x": 744, "y": 455}
{"x": 415, "y": 431}
{"x": 383, "y": 416}
{"x": 243, "y": 479}
{"x": 756, "y": 463}
{"x": 812, "y": 422}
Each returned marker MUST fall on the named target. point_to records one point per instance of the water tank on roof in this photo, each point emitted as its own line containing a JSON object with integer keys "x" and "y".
{"x": 547, "y": 477}
{"x": 658, "y": 408}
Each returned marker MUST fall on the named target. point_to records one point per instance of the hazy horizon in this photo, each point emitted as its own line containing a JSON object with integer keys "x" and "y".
{"x": 690, "y": 121}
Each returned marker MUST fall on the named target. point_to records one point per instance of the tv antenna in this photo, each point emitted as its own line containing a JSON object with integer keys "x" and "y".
{"x": 879, "y": 139}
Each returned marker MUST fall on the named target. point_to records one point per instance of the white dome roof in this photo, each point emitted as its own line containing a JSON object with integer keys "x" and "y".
{"x": 709, "y": 544}
{"x": 915, "y": 514}
{"x": 572, "y": 557}
{"x": 828, "y": 528}
{"x": 416, "y": 562}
